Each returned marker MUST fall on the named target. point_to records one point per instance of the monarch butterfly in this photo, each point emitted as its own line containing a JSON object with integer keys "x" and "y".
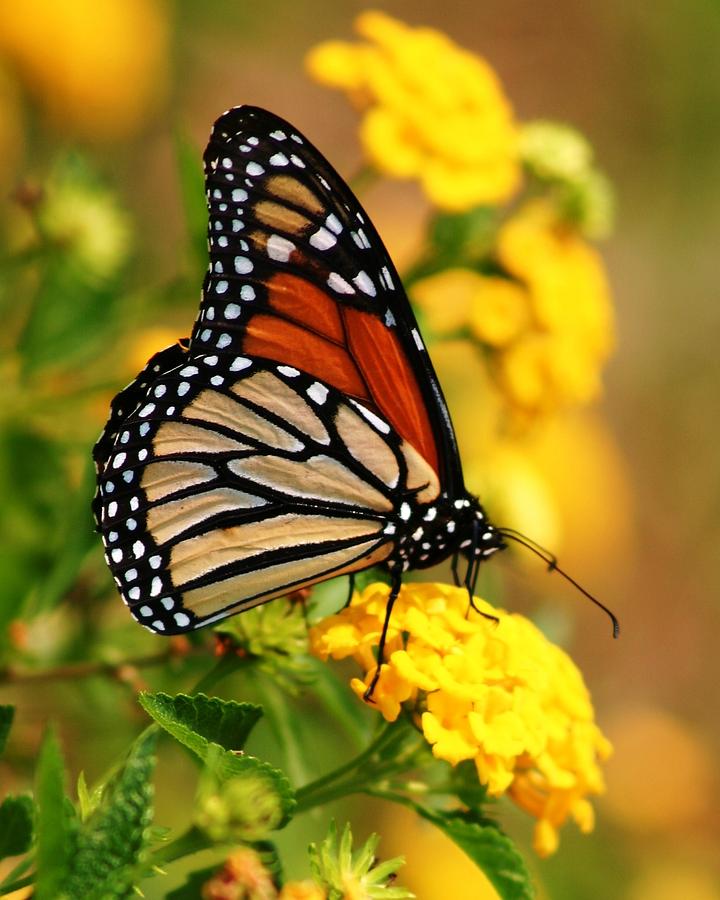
{"x": 301, "y": 432}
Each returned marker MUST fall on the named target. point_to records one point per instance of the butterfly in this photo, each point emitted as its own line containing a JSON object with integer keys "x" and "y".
{"x": 301, "y": 432}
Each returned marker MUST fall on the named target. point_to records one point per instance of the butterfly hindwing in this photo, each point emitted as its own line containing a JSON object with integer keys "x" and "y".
{"x": 235, "y": 480}
{"x": 298, "y": 274}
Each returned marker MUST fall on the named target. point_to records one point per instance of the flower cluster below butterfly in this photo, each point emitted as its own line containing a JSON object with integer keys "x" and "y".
{"x": 301, "y": 432}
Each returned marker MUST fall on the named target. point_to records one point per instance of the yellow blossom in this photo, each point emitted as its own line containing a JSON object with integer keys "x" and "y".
{"x": 498, "y": 694}
{"x": 98, "y": 67}
{"x": 432, "y": 110}
{"x": 301, "y": 890}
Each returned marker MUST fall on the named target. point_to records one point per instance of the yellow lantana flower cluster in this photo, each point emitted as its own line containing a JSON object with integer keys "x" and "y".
{"x": 432, "y": 110}
{"x": 546, "y": 324}
{"x": 499, "y": 694}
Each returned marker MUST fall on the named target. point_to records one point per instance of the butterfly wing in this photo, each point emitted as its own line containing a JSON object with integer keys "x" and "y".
{"x": 235, "y": 480}
{"x": 298, "y": 274}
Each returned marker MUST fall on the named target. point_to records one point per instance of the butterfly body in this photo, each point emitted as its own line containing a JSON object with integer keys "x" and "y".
{"x": 301, "y": 433}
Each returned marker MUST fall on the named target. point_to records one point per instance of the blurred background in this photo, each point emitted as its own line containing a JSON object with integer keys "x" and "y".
{"x": 97, "y": 102}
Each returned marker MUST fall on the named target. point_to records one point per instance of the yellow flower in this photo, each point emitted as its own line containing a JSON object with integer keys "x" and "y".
{"x": 301, "y": 890}
{"x": 498, "y": 694}
{"x": 98, "y": 67}
{"x": 432, "y": 110}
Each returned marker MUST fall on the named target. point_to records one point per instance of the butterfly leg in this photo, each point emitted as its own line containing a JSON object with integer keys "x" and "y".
{"x": 455, "y": 569}
{"x": 351, "y": 589}
{"x": 471, "y": 575}
{"x": 396, "y": 584}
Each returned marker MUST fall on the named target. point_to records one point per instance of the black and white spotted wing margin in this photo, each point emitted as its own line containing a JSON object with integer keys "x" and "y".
{"x": 234, "y": 481}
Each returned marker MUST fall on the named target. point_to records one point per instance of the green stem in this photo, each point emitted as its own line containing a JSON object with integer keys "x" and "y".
{"x": 6, "y": 889}
{"x": 354, "y": 776}
{"x": 191, "y": 841}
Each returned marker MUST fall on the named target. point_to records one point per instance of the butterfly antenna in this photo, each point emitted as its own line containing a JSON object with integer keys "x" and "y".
{"x": 551, "y": 561}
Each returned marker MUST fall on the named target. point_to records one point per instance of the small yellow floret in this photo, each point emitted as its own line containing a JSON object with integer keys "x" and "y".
{"x": 499, "y": 694}
{"x": 432, "y": 110}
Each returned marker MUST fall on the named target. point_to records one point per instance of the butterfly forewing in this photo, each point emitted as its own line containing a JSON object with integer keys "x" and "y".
{"x": 299, "y": 275}
{"x": 235, "y": 480}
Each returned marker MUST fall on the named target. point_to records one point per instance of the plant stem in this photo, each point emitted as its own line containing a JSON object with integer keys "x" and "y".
{"x": 11, "y": 675}
{"x": 6, "y": 889}
{"x": 191, "y": 841}
{"x": 355, "y": 775}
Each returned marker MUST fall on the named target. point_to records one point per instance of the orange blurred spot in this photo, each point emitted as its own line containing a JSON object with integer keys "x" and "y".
{"x": 662, "y": 775}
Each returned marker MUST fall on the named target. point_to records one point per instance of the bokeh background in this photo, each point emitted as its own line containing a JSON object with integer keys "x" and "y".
{"x": 93, "y": 96}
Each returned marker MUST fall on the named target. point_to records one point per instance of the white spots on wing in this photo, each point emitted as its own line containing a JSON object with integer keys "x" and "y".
{"x": 138, "y": 549}
{"x": 187, "y": 371}
{"x": 338, "y": 283}
{"x": 147, "y": 409}
{"x": 279, "y": 248}
{"x": 222, "y": 241}
{"x": 430, "y": 514}
{"x": 216, "y": 380}
{"x": 131, "y": 575}
{"x": 142, "y": 454}
{"x": 297, "y": 161}
{"x": 217, "y": 194}
{"x": 288, "y": 371}
{"x": 253, "y": 141}
{"x": 134, "y": 593}
{"x": 168, "y": 602}
{"x": 389, "y": 318}
{"x": 297, "y": 138}
{"x": 365, "y": 283}
{"x": 389, "y": 528}
{"x": 278, "y": 159}
{"x": 124, "y": 437}
{"x": 182, "y": 619}
{"x": 278, "y": 135}
{"x": 210, "y": 360}
{"x": 227, "y": 163}
{"x": 112, "y": 509}
{"x": 155, "y": 562}
{"x": 128, "y": 476}
{"x": 243, "y": 265}
{"x": 405, "y": 511}
{"x": 386, "y": 279}
{"x": 117, "y": 555}
{"x": 232, "y": 311}
{"x": 109, "y": 487}
{"x": 119, "y": 460}
{"x": 334, "y": 224}
{"x": 205, "y": 334}
{"x": 247, "y": 293}
{"x": 324, "y": 183}
{"x": 158, "y": 625}
{"x": 237, "y": 225}
{"x": 371, "y": 417}
{"x": 223, "y": 341}
{"x": 218, "y": 267}
{"x": 156, "y": 586}
{"x": 360, "y": 239}
{"x": 450, "y": 527}
{"x": 418, "y": 340}
{"x": 239, "y": 195}
{"x": 145, "y": 611}
{"x": 183, "y": 388}
{"x": 113, "y": 536}
{"x": 221, "y": 287}
{"x": 131, "y": 524}
{"x": 253, "y": 168}
{"x": 160, "y": 390}
{"x": 240, "y": 363}
{"x": 317, "y": 392}
{"x": 323, "y": 239}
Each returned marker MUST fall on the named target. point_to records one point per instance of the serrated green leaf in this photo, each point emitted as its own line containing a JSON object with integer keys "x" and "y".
{"x": 7, "y": 713}
{"x": 192, "y": 190}
{"x": 110, "y": 844}
{"x": 490, "y": 849}
{"x": 54, "y": 823}
{"x": 197, "y": 720}
{"x": 16, "y": 825}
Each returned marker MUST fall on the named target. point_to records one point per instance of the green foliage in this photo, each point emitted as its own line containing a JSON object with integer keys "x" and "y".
{"x": 490, "y": 849}
{"x": 56, "y": 825}
{"x": 16, "y": 825}
{"x": 199, "y": 720}
{"x": 7, "y": 713}
{"x": 192, "y": 190}
{"x": 110, "y": 844}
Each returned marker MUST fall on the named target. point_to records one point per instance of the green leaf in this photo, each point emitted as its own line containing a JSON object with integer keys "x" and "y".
{"x": 110, "y": 844}
{"x": 197, "y": 720}
{"x": 192, "y": 190}
{"x": 16, "y": 825}
{"x": 215, "y": 731}
{"x": 54, "y": 824}
{"x": 88, "y": 801}
{"x": 490, "y": 849}
{"x": 7, "y": 714}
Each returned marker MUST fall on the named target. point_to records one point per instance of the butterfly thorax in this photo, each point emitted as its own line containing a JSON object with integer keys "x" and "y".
{"x": 430, "y": 533}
